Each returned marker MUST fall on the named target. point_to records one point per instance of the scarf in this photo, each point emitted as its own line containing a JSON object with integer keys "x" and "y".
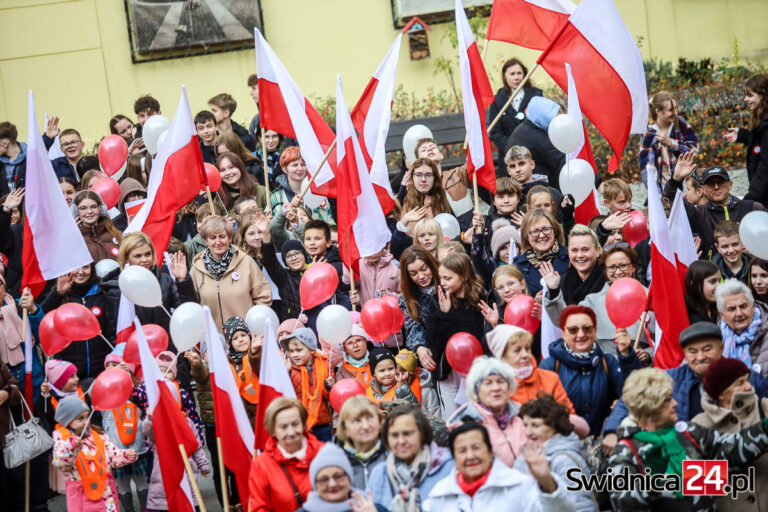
{"x": 315, "y": 503}
{"x": 575, "y": 290}
{"x": 581, "y": 355}
{"x": 405, "y": 479}
{"x": 357, "y": 363}
{"x": 737, "y": 345}
{"x": 666, "y": 454}
{"x": 236, "y": 357}
{"x": 471, "y": 488}
{"x": 524, "y": 372}
{"x": 537, "y": 258}
{"x": 10, "y": 332}
{"x": 218, "y": 268}
{"x": 362, "y": 456}
{"x": 503, "y": 419}
{"x": 298, "y": 454}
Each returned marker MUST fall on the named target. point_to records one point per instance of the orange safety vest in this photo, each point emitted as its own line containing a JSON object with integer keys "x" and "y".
{"x": 127, "y": 422}
{"x": 55, "y": 401}
{"x": 93, "y": 469}
{"x": 390, "y": 394}
{"x": 362, "y": 374}
{"x": 248, "y": 383}
{"x": 313, "y": 402}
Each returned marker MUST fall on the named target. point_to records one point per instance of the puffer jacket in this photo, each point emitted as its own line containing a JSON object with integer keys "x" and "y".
{"x": 533, "y": 276}
{"x": 507, "y": 443}
{"x": 592, "y": 384}
{"x": 241, "y": 287}
{"x": 745, "y": 411}
{"x": 756, "y": 141}
{"x": 361, "y": 470}
{"x": 100, "y": 242}
{"x": 286, "y": 280}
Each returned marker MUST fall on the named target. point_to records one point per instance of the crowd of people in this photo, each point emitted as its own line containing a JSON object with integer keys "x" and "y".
{"x": 531, "y": 411}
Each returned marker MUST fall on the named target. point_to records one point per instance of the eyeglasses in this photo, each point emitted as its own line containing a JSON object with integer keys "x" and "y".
{"x": 586, "y": 329}
{"x": 354, "y": 342}
{"x": 293, "y": 255}
{"x": 536, "y": 233}
{"x": 325, "y": 480}
{"x": 420, "y": 176}
{"x": 621, "y": 266}
{"x": 71, "y": 143}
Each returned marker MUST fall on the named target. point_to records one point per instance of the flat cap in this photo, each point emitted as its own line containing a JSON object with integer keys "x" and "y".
{"x": 698, "y": 331}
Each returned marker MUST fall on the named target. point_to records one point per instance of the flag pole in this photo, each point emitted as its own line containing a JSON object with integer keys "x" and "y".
{"x": 477, "y": 199}
{"x": 512, "y": 97}
{"x": 210, "y": 198}
{"x": 222, "y": 469}
{"x": 264, "y": 163}
{"x": 642, "y": 320}
{"x": 351, "y": 271}
{"x": 317, "y": 171}
{"x": 192, "y": 480}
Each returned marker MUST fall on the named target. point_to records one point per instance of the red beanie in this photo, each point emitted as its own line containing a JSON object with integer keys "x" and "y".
{"x": 721, "y": 374}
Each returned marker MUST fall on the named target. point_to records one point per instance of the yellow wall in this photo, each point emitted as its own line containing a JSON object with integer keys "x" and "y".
{"x": 75, "y": 56}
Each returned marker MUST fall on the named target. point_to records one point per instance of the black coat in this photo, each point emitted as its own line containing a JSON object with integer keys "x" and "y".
{"x": 441, "y": 326}
{"x": 248, "y": 141}
{"x": 286, "y": 280}
{"x": 511, "y": 117}
{"x": 549, "y": 160}
{"x": 756, "y": 141}
{"x": 11, "y": 239}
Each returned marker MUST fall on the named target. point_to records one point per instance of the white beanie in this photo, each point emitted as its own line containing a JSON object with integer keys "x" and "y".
{"x": 499, "y": 337}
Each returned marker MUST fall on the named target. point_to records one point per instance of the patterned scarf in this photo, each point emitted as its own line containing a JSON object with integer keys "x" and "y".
{"x": 406, "y": 479}
{"x": 217, "y": 268}
{"x": 363, "y": 456}
{"x": 503, "y": 419}
{"x": 236, "y": 357}
{"x": 537, "y": 258}
{"x": 737, "y": 345}
{"x": 581, "y": 355}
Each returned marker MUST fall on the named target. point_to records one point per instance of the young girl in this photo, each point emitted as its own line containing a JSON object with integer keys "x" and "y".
{"x": 486, "y": 258}
{"x": 229, "y": 142}
{"x": 237, "y": 182}
{"x": 355, "y": 360}
{"x": 250, "y": 235}
{"x": 87, "y": 462}
{"x": 388, "y": 382}
{"x": 61, "y": 381}
{"x": 701, "y": 280}
{"x": 418, "y": 281}
{"x": 425, "y": 197}
{"x": 507, "y": 283}
{"x": 245, "y": 358}
{"x": 92, "y": 217}
{"x": 428, "y": 235}
{"x": 758, "y": 279}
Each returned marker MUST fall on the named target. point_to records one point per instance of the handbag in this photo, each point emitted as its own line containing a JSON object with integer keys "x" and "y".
{"x": 25, "y": 441}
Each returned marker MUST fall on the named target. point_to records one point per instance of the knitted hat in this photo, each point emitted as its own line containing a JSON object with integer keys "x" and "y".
{"x": 498, "y": 338}
{"x": 503, "y": 232}
{"x": 303, "y": 335}
{"x": 289, "y": 326}
{"x": 357, "y": 330}
{"x": 721, "y": 374}
{"x": 231, "y": 326}
{"x": 69, "y": 408}
{"x": 292, "y": 245}
{"x": 59, "y": 372}
{"x": 378, "y": 354}
{"x": 407, "y": 360}
{"x": 329, "y": 455}
{"x": 168, "y": 359}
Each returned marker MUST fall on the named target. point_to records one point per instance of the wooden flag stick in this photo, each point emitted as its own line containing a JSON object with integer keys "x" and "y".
{"x": 222, "y": 469}
{"x": 264, "y": 162}
{"x": 210, "y": 198}
{"x": 477, "y": 198}
{"x": 351, "y": 272}
{"x": 317, "y": 171}
{"x": 512, "y": 97}
{"x": 640, "y": 329}
{"x": 26, "y": 487}
{"x": 192, "y": 479}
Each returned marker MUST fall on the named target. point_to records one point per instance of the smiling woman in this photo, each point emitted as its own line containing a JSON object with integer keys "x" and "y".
{"x": 99, "y": 233}
{"x": 744, "y": 325}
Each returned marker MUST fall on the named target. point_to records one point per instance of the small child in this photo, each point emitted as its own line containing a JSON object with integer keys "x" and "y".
{"x": 244, "y": 354}
{"x": 354, "y": 363}
{"x": 543, "y": 197}
{"x": 87, "y": 462}
{"x": 617, "y": 197}
{"x": 389, "y": 381}
{"x": 419, "y": 380}
{"x": 61, "y": 381}
{"x": 694, "y": 194}
{"x": 730, "y": 255}
{"x": 319, "y": 246}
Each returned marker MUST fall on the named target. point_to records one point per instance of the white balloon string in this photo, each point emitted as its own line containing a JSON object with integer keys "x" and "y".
{"x": 107, "y": 341}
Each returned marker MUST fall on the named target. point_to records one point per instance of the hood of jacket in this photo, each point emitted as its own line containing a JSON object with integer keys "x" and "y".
{"x": 386, "y": 257}
{"x": 558, "y": 351}
{"x": 127, "y": 187}
{"x": 333, "y": 255}
{"x": 282, "y": 181}
{"x": 561, "y": 443}
{"x": 19, "y": 158}
{"x": 541, "y": 111}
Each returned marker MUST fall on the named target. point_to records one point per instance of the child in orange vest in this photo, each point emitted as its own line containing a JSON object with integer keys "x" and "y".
{"x": 388, "y": 381}
{"x": 354, "y": 363}
{"x": 87, "y": 463}
{"x": 244, "y": 354}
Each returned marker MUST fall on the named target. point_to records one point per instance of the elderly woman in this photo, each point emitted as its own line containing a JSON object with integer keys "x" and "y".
{"x": 618, "y": 262}
{"x": 414, "y": 464}
{"x": 358, "y": 434}
{"x": 652, "y": 441}
{"x": 227, "y": 280}
{"x": 354, "y": 364}
{"x": 92, "y": 217}
{"x": 279, "y": 476}
{"x": 490, "y": 383}
{"x": 591, "y": 377}
{"x": 744, "y": 324}
{"x": 541, "y": 241}
{"x": 482, "y": 482}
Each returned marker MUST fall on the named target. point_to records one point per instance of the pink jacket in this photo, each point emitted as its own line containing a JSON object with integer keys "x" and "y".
{"x": 507, "y": 444}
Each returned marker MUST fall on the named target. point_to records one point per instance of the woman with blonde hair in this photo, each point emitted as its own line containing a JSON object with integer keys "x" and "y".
{"x": 426, "y": 196}
{"x": 358, "y": 434}
{"x": 428, "y": 235}
{"x": 541, "y": 241}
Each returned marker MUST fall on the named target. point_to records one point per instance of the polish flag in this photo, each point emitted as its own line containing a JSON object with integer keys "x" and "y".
{"x": 589, "y": 207}
{"x": 232, "y": 425}
{"x": 666, "y": 288}
{"x": 274, "y": 382}
{"x": 362, "y": 227}
{"x": 53, "y": 245}
{"x": 170, "y": 428}
{"x": 285, "y": 110}
{"x": 371, "y": 118}
{"x": 608, "y": 70}
{"x": 177, "y": 177}
{"x": 682, "y": 237}
{"x": 529, "y": 23}
{"x": 477, "y": 96}
{"x": 126, "y": 314}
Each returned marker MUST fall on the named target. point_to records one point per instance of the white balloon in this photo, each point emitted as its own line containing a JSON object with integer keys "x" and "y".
{"x": 312, "y": 200}
{"x": 413, "y": 135}
{"x": 753, "y": 231}
{"x": 448, "y": 224}
{"x": 104, "y": 267}
{"x": 161, "y": 139}
{"x": 151, "y": 131}
{"x": 140, "y": 286}
{"x": 187, "y": 326}
{"x": 257, "y": 316}
{"x": 577, "y": 178}
{"x": 334, "y": 323}
{"x": 565, "y": 133}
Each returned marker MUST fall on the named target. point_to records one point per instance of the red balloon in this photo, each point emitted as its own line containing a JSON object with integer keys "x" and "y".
{"x": 157, "y": 339}
{"x": 625, "y": 302}
{"x": 113, "y": 152}
{"x": 344, "y": 389}
{"x": 318, "y": 284}
{"x": 399, "y": 316}
{"x": 378, "y": 319}
{"x": 108, "y": 189}
{"x": 519, "y": 312}
{"x": 461, "y": 351}
{"x": 214, "y": 177}
{"x": 76, "y": 322}
{"x": 50, "y": 339}
{"x": 637, "y": 229}
{"x": 112, "y": 388}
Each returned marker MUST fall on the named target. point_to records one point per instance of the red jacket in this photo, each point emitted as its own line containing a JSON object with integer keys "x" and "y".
{"x": 269, "y": 488}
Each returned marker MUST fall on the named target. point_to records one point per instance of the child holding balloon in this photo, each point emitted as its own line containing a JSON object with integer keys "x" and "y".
{"x": 389, "y": 381}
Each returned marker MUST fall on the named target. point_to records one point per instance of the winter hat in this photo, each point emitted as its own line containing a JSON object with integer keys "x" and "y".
{"x": 357, "y": 330}
{"x": 502, "y": 235}
{"x": 329, "y": 455}
{"x": 116, "y": 356}
{"x": 721, "y": 374}
{"x": 378, "y": 354}
{"x": 59, "y": 372}
{"x": 168, "y": 359}
{"x": 303, "y": 335}
{"x": 293, "y": 245}
{"x": 69, "y": 408}
{"x": 231, "y": 326}
{"x": 127, "y": 187}
{"x": 541, "y": 111}
{"x": 289, "y": 326}
{"x": 498, "y": 338}
{"x": 407, "y": 360}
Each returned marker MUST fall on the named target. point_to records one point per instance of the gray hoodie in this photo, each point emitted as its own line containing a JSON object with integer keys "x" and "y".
{"x": 12, "y": 166}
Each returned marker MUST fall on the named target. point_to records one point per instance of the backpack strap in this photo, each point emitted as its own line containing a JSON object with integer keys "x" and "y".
{"x": 628, "y": 442}
{"x": 605, "y": 367}
{"x": 293, "y": 485}
{"x": 557, "y": 365}
{"x": 693, "y": 441}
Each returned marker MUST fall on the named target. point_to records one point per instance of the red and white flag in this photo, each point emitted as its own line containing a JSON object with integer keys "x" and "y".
{"x": 607, "y": 69}
{"x": 53, "y": 245}
{"x": 477, "y": 97}
{"x": 126, "y": 314}
{"x": 362, "y": 227}
{"x": 682, "y": 237}
{"x": 285, "y": 110}
{"x": 529, "y": 23}
{"x": 170, "y": 428}
{"x": 371, "y": 118}
{"x": 232, "y": 425}
{"x": 177, "y": 177}
{"x": 666, "y": 288}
